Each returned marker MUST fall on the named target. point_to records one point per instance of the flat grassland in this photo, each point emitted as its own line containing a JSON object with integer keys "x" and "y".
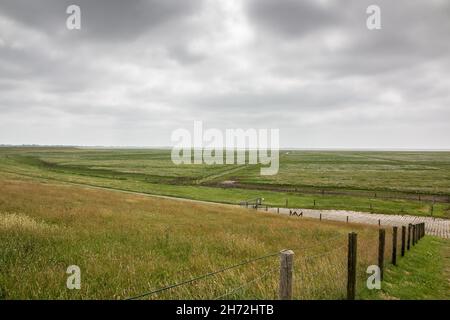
{"x": 127, "y": 245}
{"x": 416, "y": 183}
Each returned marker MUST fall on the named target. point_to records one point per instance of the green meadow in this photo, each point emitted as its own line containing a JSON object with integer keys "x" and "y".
{"x": 128, "y": 245}
{"x": 416, "y": 183}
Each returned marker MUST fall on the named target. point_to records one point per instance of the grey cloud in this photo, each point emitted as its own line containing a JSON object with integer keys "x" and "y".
{"x": 102, "y": 20}
{"x": 291, "y": 18}
{"x": 139, "y": 69}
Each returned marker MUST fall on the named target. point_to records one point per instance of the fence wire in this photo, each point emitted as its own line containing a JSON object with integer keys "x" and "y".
{"x": 235, "y": 266}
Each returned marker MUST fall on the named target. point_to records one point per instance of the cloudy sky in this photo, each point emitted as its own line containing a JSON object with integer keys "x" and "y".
{"x": 139, "y": 69}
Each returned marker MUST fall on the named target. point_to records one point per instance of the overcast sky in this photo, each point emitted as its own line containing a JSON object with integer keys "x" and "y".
{"x": 137, "y": 70}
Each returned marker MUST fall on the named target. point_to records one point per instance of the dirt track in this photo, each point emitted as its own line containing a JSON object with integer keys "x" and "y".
{"x": 433, "y": 226}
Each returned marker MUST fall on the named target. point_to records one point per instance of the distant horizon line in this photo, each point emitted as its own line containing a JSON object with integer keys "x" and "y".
{"x": 170, "y": 147}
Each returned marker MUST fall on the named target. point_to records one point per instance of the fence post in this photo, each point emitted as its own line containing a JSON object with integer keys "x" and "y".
{"x": 403, "y": 240}
{"x": 408, "y": 246}
{"x": 394, "y": 246}
{"x": 413, "y": 234}
{"x": 347, "y": 219}
{"x": 351, "y": 267}
{"x": 314, "y": 203}
{"x": 320, "y": 217}
{"x": 286, "y": 269}
{"x": 421, "y": 227}
{"x": 278, "y": 210}
{"x": 417, "y": 231}
{"x": 379, "y": 222}
{"x": 381, "y": 242}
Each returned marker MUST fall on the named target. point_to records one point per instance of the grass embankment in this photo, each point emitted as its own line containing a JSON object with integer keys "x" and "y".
{"x": 424, "y": 273}
{"x": 128, "y": 244}
{"x": 224, "y": 195}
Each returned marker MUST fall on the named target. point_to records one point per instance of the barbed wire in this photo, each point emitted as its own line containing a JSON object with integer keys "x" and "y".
{"x": 318, "y": 243}
{"x": 322, "y": 254}
{"x": 204, "y": 276}
{"x": 247, "y": 283}
{"x": 222, "y": 270}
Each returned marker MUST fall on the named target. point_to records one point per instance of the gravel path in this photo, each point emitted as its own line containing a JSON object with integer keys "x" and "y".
{"x": 433, "y": 226}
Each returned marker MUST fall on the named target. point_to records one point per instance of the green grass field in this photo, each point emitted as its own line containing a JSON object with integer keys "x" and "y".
{"x": 128, "y": 244}
{"x": 424, "y": 274}
{"x": 382, "y": 182}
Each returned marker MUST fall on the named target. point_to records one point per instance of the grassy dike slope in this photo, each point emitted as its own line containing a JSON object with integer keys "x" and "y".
{"x": 423, "y": 274}
{"x": 128, "y": 244}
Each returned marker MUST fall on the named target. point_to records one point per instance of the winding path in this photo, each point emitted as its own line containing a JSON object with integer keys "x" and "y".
{"x": 433, "y": 226}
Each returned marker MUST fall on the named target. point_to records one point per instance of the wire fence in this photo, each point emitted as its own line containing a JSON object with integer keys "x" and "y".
{"x": 375, "y": 194}
{"x": 322, "y": 270}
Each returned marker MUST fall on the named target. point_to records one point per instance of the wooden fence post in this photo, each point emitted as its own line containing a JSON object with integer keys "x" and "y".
{"x": 413, "y": 234}
{"x": 347, "y": 219}
{"x": 278, "y": 210}
{"x": 418, "y": 232}
{"x": 408, "y": 246}
{"x": 379, "y": 222}
{"x": 394, "y": 246}
{"x": 351, "y": 266}
{"x": 320, "y": 217}
{"x": 403, "y": 240}
{"x": 314, "y": 202}
{"x": 381, "y": 242}
{"x": 286, "y": 270}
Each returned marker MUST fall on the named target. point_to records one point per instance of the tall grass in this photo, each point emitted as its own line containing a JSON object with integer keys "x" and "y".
{"x": 127, "y": 244}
